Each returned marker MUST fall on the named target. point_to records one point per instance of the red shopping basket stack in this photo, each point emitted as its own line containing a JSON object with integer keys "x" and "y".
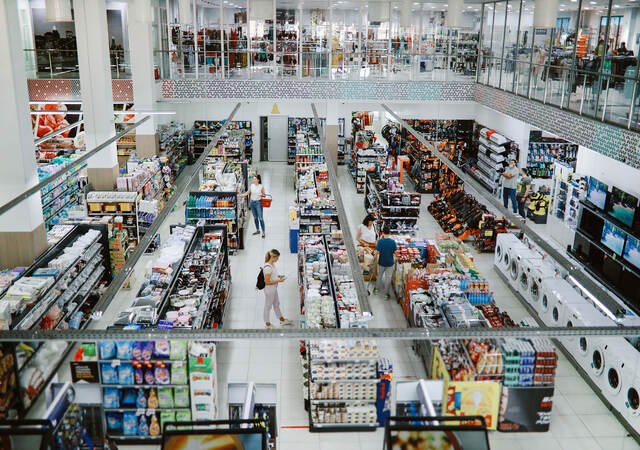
{"x": 266, "y": 201}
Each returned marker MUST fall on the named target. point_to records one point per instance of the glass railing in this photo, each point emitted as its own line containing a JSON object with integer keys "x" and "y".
{"x": 314, "y": 63}
{"x": 63, "y": 64}
{"x": 602, "y": 96}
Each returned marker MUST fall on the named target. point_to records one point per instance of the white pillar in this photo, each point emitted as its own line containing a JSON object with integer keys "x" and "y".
{"x": 22, "y": 232}
{"x": 142, "y": 73}
{"x": 92, "y": 39}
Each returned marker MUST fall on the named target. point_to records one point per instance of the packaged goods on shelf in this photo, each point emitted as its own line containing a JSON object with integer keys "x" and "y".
{"x": 366, "y": 157}
{"x": 63, "y": 193}
{"x": 342, "y": 148}
{"x": 544, "y": 151}
{"x": 494, "y": 153}
{"x": 217, "y": 207}
{"x": 122, "y": 206}
{"x": 303, "y": 142}
{"x": 386, "y": 199}
{"x": 58, "y": 292}
{"x": 235, "y": 144}
{"x": 173, "y": 146}
{"x": 317, "y": 210}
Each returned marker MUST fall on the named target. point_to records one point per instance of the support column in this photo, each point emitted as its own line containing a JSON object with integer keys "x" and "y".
{"x": 22, "y": 232}
{"x": 142, "y": 74}
{"x": 332, "y": 131}
{"x": 97, "y": 93}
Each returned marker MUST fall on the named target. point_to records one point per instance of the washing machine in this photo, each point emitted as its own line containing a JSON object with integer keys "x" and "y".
{"x": 632, "y": 403}
{"x": 556, "y": 295}
{"x": 584, "y": 315}
{"x": 532, "y": 272}
{"x": 502, "y": 256}
{"x": 619, "y": 372}
{"x": 520, "y": 259}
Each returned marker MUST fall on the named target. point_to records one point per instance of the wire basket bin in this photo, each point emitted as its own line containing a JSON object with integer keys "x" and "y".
{"x": 266, "y": 201}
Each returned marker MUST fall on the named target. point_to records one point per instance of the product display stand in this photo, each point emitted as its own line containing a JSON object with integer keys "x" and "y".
{"x": 366, "y": 156}
{"x": 545, "y": 151}
{"x": 173, "y": 146}
{"x": 117, "y": 205}
{"x": 341, "y": 142}
{"x": 565, "y": 202}
{"x": 235, "y": 145}
{"x": 425, "y": 169}
{"x": 59, "y": 195}
{"x": 220, "y": 207}
{"x": 316, "y": 206}
{"x": 494, "y": 152}
{"x": 386, "y": 200}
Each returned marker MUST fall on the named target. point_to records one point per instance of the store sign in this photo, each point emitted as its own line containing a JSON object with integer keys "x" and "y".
{"x": 86, "y": 371}
{"x": 525, "y": 409}
{"x": 473, "y": 398}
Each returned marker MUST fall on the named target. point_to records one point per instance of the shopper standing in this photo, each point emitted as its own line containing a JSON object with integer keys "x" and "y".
{"x": 256, "y": 192}
{"x": 523, "y": 192}
{"x": 509, "y": 185}
{"x": 271, "y": 280}
{"x": 385, "y": 247}
{"x": 366, "y": 234}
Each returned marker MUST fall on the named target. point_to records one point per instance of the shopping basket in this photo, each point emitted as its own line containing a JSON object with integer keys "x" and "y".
{"x": 266, "y": 201}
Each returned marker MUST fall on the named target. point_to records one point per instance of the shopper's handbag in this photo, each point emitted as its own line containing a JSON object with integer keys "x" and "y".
{"x": 260, "y": 283}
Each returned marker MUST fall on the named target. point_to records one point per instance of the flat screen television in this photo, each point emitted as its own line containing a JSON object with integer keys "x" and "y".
{"x": 591, "y": 224}
{"x": 612, "y": 271}
{"x": 632, "y": 251}
{"x": 622, "y": 206}
{"x": 597, "y": 193}
{"x": 613, "y": 237}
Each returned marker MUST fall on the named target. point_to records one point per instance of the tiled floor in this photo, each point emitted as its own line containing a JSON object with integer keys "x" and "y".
{"x": 579, "y": 420}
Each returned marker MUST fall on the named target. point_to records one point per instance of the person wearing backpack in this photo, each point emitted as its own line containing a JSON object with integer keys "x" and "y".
{"x": 268, "y": 280}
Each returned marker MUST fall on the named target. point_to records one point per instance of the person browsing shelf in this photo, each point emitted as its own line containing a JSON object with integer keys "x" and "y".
{"x": 385, "y": 247}
{"x": 509, "y": 184}
{"x": 256, "y": 192}
{"x": 271, "y": 280}
{"x": 523, "y": 192}
{"x": 366, "y": 234}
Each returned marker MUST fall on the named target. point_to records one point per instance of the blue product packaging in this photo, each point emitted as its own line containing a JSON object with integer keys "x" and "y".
{"x": 124, "y": 350}
{"x": 111, "y": 398}
{"x": 125, "y": 374}
{"x": 162, "y": 349}
{"x": 109, "y": 375}
{"x": 141, "y": 399}
{"x": 129, "y": 424}
{"x": 114, "y": 422}
{"x": 107, "y": 349}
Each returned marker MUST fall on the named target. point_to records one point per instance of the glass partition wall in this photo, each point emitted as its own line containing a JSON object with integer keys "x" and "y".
{"x": 587, "y": 63}
{"x": 322, "y": 39}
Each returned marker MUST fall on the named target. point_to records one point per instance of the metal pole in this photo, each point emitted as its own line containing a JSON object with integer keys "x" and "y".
{"x": 361, "y": 290}
{"x": 225, "y": 334}
{"x": 222, "y": 58}
{"x": 195, "y": 37}
{"x": 29, "y": 192}
{"x": 633, "y": 103}
{"x": 584, "y": 84}
{"x": 606, "y": 97}
{"x": 108, "y": 296}
{"x": 571, "y": 268}
{"x": 50, "y": 64}
{"x": 564, "y": 77}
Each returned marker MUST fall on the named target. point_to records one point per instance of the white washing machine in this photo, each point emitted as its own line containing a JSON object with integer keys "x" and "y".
{"x": 620, "y": 372}
{"x": 502, "y": 256}
{"x": 556, "y": 295}
{"x": 632, "y": 403}
{"x": 519, "y": 262}
{"x": 584, "y": 315}
{"x": 530, "y": 279}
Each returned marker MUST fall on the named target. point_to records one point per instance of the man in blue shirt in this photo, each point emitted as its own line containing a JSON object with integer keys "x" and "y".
{"x": 385, "y": 247}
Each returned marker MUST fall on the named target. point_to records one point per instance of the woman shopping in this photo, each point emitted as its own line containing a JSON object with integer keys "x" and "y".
{"x": 256, "y": 192}
{"x": 366, "y": 234}
{"x": 385, "y": 247}
{"x": 271, "y": 280}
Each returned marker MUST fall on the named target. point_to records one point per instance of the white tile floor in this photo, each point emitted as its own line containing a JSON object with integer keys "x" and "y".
{"x": 579, "y": 420}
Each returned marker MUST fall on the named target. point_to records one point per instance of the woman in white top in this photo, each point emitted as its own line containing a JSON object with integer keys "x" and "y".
{"x": 271, "y": 280}
{"x": 256, "y": 190}
{"x": 366, "y": 234}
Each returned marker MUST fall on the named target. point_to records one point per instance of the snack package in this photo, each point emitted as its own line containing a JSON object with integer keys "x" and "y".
{"x": 165, "y": 397}
{"x": 162, "y": 349}
{"x": 109, "y": 375}
{"x": 114, "y": 422}
{"x": 178, "y": 374}
{"x": 129, "y": 423}
{"x": 181, "y": 397}
{"x": 178, "y": 350}
{"x": 107, "y": 349}
{"x": 124, "y": 350}
{"x": 125, "y": 374}
{"x": 111, "y": 398}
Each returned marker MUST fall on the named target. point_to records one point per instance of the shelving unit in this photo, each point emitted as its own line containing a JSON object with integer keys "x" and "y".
{"x": 60, "y": 195}
{"x": 364, "y": 161}
{"x": 494, "y": 152}
{"x": 211, "y": 207}
{"x": 69, "y": 275}
{"x": 235, "y": 145}
{"x": 545, "y": 151}
{"x": 341, "y": 141}
{"x": 173, "y": 146}
{"x": 117, "y": 204}
{"x": 398, "y": 209}
{"x": 425, "y": 169}
{"x": 316, "y": 207}
{"x": 302, "y": 139}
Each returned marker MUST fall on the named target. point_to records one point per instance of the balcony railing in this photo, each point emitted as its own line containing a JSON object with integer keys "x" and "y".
{"x": 63, "y": 64}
